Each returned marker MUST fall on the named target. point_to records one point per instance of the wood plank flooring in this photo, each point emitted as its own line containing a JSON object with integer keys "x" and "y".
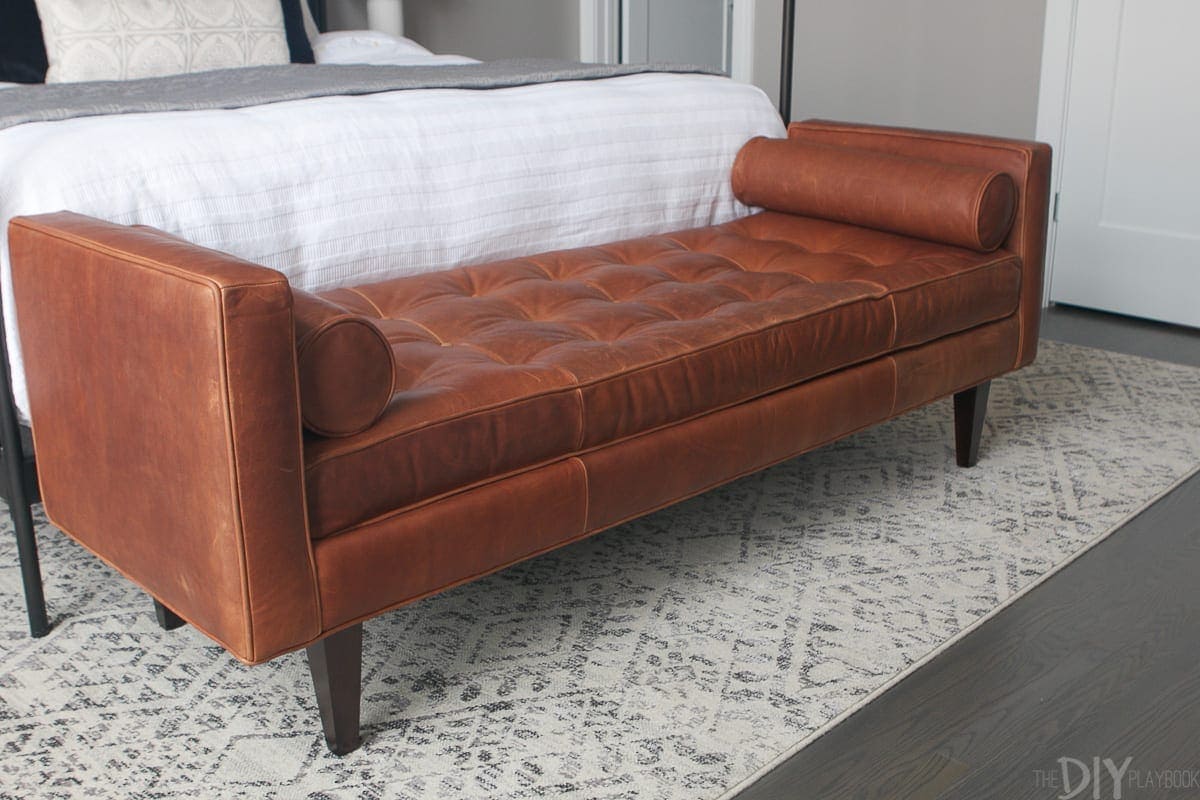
{"x": 1101, "y": 661}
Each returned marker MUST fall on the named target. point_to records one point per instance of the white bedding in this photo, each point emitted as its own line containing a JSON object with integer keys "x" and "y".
{"x": 341, "y": 190}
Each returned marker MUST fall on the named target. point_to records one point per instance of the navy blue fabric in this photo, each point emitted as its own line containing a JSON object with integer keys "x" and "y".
{"x": 22, "y": 51}
{"x": 297, "y": 37}
{"x": 318, "y": 12}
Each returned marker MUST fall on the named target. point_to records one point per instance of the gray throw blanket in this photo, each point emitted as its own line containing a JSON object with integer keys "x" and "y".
{"x": 252, "y": 86}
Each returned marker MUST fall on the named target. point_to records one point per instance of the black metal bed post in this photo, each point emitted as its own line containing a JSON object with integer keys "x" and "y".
{"x": 20, "y": 496}
{"x": 787, "y": 53}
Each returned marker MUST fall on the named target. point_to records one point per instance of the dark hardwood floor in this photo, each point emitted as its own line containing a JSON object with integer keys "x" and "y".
{"x": 1139, "y": 337}
{"x": 1100, "y": 662}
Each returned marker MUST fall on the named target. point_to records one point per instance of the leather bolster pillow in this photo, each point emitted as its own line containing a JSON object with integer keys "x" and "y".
{"x": 949, "y": 203}
{"x": 347, "y": 374}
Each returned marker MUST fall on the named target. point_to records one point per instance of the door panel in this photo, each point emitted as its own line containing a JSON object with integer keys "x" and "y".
{"x": 676, "y": 31}
{"x": 1128, "y": 236}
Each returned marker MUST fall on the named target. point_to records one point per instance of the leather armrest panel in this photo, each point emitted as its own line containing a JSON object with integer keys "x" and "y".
{"x": 1027, "y": 163}
{"x": 164, "y": 402}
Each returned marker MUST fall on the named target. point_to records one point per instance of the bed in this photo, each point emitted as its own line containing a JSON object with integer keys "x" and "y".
{"x": 334, "y": 189}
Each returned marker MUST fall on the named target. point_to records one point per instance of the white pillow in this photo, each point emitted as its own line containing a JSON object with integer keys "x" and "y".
{"x": 338, "y": 42}
{"x": 94, "y": 40}
{"x": 373, "y": 47}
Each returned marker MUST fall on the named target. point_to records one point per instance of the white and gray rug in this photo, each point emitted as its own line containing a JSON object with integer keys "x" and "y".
{"x": 669, "y": 658}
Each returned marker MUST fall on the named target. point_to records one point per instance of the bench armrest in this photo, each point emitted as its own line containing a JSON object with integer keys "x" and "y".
{"x": 164, "y": 402}
{"x": 1027, "y": 163}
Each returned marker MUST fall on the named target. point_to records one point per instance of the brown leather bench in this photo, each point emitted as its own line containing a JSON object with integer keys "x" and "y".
{"x": 460, "y": 421}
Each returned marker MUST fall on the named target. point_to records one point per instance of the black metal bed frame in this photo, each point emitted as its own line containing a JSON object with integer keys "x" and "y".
{"x": 19, "y": 487}
{"x": 18, "y": 478}
{"x": 787, "y": 56}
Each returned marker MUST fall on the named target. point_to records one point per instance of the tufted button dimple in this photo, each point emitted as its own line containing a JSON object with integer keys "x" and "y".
{"x": 654, "y": 293}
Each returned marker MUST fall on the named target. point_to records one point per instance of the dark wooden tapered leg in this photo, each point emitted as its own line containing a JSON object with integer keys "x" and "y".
{"x": 970, "y": 407}
{"x": 336, "y": 666}
{"x": 168, "y": 620}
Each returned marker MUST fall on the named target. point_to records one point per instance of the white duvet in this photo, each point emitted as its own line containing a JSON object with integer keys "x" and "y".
{"x": 343, "y": 190}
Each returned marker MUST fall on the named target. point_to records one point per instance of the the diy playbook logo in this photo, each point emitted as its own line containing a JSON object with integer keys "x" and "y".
{"x": 1104, "y": 778}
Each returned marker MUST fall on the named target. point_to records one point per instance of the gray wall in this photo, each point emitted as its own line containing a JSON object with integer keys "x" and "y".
{"x": 483, "y": 29}
{"x": 490, "y": 29}
{"x": 970, "y": 65}
{"x": 347, "y": 15}
{"x": 679, "y": 31}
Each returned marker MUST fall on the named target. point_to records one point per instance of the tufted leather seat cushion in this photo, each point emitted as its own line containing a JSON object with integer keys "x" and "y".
{"x": 507, "y": 365}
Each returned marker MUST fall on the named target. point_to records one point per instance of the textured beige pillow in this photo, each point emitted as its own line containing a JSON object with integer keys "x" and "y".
{"x": 97, "y": 40}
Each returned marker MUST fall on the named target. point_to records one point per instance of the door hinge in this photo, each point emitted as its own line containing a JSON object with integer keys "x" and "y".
{"x": 1054, "y": 215}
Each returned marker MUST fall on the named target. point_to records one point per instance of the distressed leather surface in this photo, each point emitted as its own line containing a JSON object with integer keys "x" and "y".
{"x": 422, "y": 550}
{"x": 162, "y": 382}
{"x": 537, "y": 400}
{"x": 507, "y": 365}
{"x": 944, "y": 202}
{"x": 346, "y": 372}
{"x": 1027, "y": 163}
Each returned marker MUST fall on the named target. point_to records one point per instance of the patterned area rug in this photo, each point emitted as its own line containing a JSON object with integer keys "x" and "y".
{"x": 668, "y": 658}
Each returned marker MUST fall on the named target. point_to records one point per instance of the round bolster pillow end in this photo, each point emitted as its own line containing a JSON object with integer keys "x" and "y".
{"x": 346, "y": 370}
{"x": 997, "y": 210}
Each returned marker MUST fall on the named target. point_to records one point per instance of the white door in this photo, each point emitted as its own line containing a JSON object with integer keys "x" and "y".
{"x": 1128, "y": 209}
{"x": 676, "y": 31}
